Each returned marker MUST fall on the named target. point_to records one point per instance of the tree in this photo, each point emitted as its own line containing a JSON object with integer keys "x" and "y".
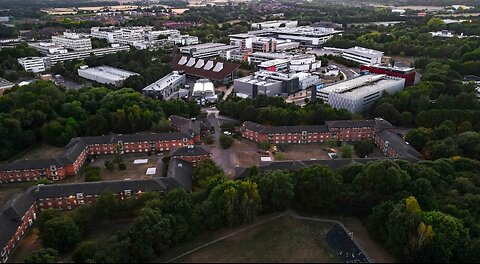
{"x": 276, "y": 190}
{"x": 318, "y": 189}
{"x": 226, "y": 141}
{"x": 60, "y": 233}
{"x": 419, "y": 137}
{"x": 43, "y": 255}
{"x": 363, "y": 147}
{"x": 151, "y": 233}
{"x": 331, "y": 143}
{"x": 388, "y": 112}
{"x": 106, "y": 206}
{"x": 347, "y": 151}
{"x": 204, "y": 169}
{"x": 45, "y": 216}
{"x": 450, "y": 236}
{"x": 85, "y": 252}
{"x": 162, "y": 126}
{"x": 232, "y": 203}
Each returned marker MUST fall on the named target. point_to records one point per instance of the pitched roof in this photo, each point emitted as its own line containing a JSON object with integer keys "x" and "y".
{"x": 11, "y": 214}
{"x": 181, "y": 171}
{"x": 195, "y": 150}
{"x": 284, "y": 129}
{"x": 350, "y": 123}
{"x": 211, "y": 69}
{"x": 77, "y": 145}
{"x": 187, "y": 126}
{"x": 400, "y": 146}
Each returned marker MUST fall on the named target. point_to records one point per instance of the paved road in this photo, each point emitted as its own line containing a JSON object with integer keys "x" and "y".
{"x": 349, "y": 72}
{"x": 224, "y": 158}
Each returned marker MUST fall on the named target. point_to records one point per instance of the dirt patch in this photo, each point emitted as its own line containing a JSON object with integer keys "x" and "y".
{"x": 247, "y": 153}
{"x": 29, "y": 243}
{"x": 41, "y": 151}
{"x": 306, "y": 152}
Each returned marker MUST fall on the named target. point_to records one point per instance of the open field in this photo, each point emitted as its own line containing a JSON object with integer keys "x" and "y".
{"x": 285, "y": 239}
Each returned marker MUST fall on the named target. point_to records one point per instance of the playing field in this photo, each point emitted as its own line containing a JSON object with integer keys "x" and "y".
{"x": 285, "y": 239}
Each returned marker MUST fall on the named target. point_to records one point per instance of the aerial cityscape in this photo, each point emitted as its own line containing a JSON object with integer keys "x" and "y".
{"x": 239, "y": 131}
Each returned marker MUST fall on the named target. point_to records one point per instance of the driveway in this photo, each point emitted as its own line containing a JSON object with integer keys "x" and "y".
{"x": 225, "y": 158}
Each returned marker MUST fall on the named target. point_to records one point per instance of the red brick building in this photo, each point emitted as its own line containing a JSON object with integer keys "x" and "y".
{"x": 19, "y": 213}
{"x": 193, "y": 154}
{"x": 379, "y": 130}
{"x": 77, "y": 151}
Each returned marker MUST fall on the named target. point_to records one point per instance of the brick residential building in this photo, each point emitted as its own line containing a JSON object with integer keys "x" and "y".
{"x": 19, "y": 213}
{"x": 378, "y": 130}
{"x": 77, "y": 151}
{"x": 193, "y": 154}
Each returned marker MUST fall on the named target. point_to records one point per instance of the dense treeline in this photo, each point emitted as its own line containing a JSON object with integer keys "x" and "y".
{"x": 42, "y": 111}
{"x": 413, "y": 38}
{"x": 276, "y": 112}
{"x": 421, "y": 212}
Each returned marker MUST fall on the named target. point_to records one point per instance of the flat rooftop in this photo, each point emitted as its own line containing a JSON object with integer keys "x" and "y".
{"x": 360, "y": 51}
{"x": 164, "y": 82}
{"x": 109, "y": 72}
{"x": 257, "y": 80}
{"x": 203, "y": 46}
{"x": 362, "y": 85}
{"x": 274, "y": 62}
{"x": 271, "y": 55}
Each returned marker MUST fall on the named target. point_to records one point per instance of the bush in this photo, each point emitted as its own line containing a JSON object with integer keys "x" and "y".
{"x": 279, "y": 156}
{"x": 43, "y": 255}
{"x": 122, "y": 166}
{"x": 363, "y": 147}
{"x": 92, "y": 174}
{"x": 347, "y": 151}
{"x": 226, "y": 141}
{"x": 209, "y": 140}
{"x": 109, "y": 165}
{"x": 265, "y": 145}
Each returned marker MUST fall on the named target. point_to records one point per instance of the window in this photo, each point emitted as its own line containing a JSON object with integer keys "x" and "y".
{"x": 128, "y": 192}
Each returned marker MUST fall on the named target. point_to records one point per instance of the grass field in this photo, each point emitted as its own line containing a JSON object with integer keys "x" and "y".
{"x": 285, "y": 239}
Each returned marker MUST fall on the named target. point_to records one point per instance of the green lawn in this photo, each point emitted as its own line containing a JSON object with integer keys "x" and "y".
{"x": 283, "y": 240}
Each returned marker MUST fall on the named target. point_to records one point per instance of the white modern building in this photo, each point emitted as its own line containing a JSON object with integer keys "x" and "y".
{"x": 275, "y": 24}
{"x": 363, "y": 55}
{"x": 33, "y": 64}
{"x": 206, "y": 50}
{"x": 166, "y": 86}
{"x": 261, "y": 44}
{"x": 51, "y": 59}
{"x": 73, "y": 41}
{"x": 185, "y": 40}
{"x": 306, "y": 36}
{"x": 47, "y": 47}
{"x": 204, "y": 92}
{"x": 125, "y": 35}
{"x": 358, "y": 94}
{"x": 154, "y": 35}
{"x": 105, "y": 74}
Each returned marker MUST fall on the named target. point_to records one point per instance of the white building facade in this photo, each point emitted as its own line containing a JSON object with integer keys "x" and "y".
{"x": 33, "y": 64}
{"x": 358, "y": 94}
{"x": 166, "y": 86}
{"x": 363, "y": 55}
